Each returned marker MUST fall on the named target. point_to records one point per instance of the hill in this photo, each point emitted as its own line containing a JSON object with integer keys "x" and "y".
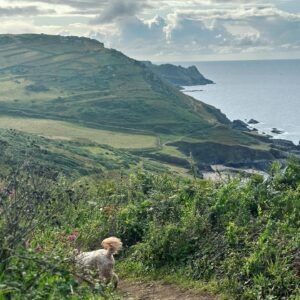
{"x": 67, "y": 88}
{"x": 74, "y": 78}
{"x": 178, "y": 75}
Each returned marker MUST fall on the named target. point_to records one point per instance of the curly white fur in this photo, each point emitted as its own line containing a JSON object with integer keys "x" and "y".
{"x": 102, "y": 260}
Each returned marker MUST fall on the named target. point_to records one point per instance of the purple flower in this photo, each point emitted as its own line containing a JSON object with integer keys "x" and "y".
{"x": 38, "y": 248}
{"x": 73, "y": 236}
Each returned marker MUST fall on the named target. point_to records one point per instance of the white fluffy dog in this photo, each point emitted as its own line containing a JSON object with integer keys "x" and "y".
{"x": 102, "y": 260}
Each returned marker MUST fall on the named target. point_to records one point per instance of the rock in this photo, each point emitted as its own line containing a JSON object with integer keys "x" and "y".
{"x": 277, "y": 131}
{"x": 240, "y": 125}
{"x": 178, "y": 76}
{"x": 289, "y": 145}
{"x": 190, "y": 91}
{"x": 253, "y": 121}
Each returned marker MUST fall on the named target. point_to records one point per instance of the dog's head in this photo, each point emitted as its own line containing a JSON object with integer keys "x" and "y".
{"x": 112, "y": 244}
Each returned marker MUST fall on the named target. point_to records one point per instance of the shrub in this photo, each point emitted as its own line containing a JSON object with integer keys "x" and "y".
{"x": 242, "y": 234}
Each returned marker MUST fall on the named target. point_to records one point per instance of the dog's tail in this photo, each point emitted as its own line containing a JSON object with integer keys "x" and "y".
{"x": 112, "y": 245}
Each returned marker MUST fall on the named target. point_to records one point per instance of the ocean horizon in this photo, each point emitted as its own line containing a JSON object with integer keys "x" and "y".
{"x": 265, "y": 90}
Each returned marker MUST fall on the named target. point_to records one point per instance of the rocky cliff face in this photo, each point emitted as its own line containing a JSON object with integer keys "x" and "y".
{"x": 178, "y": 75}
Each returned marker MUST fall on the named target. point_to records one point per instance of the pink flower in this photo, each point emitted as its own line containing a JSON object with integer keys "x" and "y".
{"x": 38, "y": 248}
{"x": 75, "y": 233}
{"x": 27, "y": 244}
{"x": 73, "y": 236}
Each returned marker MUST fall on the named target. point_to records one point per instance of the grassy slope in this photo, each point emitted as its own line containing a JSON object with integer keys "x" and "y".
{"x": 68, "y": 131}
{"x": 72, "y": 158}
{"x": 78, "y": 80}
{"x": 84, "y": 81}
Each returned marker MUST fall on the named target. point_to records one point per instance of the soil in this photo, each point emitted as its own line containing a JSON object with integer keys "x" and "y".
{"x": 132, "y": 290}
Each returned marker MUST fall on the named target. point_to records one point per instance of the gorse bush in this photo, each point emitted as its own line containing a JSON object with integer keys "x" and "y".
{"x": 242, "y": 234}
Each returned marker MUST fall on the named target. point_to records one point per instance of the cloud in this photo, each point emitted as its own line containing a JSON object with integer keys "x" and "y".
{"x": 217, "y": 31}
{"x": 165, "y": 28}
{"x": 80, "y": 4}
{"x": 184, "y": 29}
{"x": 23, "y": 11}
{"x": 119, "y": 9}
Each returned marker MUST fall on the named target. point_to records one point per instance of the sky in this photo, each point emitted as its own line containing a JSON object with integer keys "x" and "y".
{"x": 167, "y": 30}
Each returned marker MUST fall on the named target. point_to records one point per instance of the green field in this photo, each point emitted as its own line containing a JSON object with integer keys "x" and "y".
{"x": 68, "y": 131}
{"x": 15, "y": 90}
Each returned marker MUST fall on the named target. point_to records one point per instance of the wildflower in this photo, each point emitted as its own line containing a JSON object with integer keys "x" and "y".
{"x": 71, "y": 238}
{"x": 38, "y": 248}
{"x": 74, "y": 235}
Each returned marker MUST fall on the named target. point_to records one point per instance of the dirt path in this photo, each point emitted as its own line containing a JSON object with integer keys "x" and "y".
{"x": 158, "y": 291}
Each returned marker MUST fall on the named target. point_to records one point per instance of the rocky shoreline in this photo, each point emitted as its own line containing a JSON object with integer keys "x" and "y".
{"x": 249, "y": 126}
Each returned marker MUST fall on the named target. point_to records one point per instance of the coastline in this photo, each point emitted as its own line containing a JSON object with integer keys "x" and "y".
{"x": 265, "y": 90}
{"x": 262, "y": 127}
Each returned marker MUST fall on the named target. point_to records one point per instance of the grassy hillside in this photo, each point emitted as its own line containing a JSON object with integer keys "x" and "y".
{"x": 70, "y": 88}
{"x": 60, "y": 130}
{"x": 74, "y": 158}
{"x": 238, "y": 238}
{"x": 78, "y": 79}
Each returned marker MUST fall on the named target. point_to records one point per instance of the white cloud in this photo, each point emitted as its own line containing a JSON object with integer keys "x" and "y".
{"x": 23, "y": 11}
{"x": 190, "y": 28}
{"x": 17, "y": 27}
{"x": 119, "y": 9}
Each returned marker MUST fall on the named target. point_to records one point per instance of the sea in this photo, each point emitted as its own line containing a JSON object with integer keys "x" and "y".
{"x": 266, "y": 90}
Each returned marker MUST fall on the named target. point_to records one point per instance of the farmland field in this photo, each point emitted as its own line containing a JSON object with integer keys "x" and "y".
{"x": 69, "y": 131}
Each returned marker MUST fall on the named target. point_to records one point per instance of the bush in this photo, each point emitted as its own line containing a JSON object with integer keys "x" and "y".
{"x": 36, "y": 249}
{"x": 242, "y": 234}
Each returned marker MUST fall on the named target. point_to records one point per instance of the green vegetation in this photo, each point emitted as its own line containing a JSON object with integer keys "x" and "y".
{"x": 78, "y": 79}
{"x": 90, "y": 137}
{"x": 73, "y": 158}
{"x": 73, "y": 88}
{"x": 239, "y": 238}
{"x": 37, "y": 254}
{"x": 69, "y": 131}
